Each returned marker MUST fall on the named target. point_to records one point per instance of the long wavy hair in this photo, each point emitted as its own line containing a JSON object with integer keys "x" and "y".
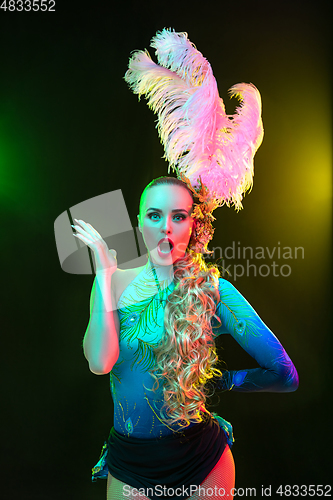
{"x": 186, "y": 356}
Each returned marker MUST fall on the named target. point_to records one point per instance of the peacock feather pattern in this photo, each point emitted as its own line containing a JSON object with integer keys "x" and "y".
{"x": 146, "y": 316}
{"x": 144, "y": 355}
{"x": 238, "y": 315}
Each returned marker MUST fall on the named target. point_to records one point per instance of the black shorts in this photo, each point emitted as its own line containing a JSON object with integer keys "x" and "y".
{"x": 175, "y": 462}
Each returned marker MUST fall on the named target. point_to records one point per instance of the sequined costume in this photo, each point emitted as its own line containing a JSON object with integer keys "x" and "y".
{"x": 136, "y": 407}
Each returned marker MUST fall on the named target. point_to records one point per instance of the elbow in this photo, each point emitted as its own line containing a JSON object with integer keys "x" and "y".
{"x": 103, "y": 367}
{"x": 294, "y": 384}
{"x": 98, "y": 370}
{"x": 290, "y": 381}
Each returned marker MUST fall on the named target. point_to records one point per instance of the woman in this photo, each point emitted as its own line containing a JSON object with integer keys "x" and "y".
{"x": 153, "y": 328}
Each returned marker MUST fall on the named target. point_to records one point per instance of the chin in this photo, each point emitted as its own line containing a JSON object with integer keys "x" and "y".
{"x": 168, "y": 260}
{"x": 161, "y": 261}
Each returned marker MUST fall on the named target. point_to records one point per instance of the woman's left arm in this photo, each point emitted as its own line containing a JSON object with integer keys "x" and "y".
{"x": 277, "y": 372}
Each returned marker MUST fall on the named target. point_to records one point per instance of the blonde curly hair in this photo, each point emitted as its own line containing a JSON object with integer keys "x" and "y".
{"x": 186, "y": 356}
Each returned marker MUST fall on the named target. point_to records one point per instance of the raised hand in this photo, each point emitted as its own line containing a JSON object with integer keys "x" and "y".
{"x": 105, "y": 259}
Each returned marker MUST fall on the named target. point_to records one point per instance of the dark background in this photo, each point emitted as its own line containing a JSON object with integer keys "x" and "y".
{"x": 70, "y": 130}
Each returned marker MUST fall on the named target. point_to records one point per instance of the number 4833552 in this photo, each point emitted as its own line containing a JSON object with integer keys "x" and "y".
{"x": 27, "y": 5}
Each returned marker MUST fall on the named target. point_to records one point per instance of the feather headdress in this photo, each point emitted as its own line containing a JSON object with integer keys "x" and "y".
{"x": 199, "y": 138}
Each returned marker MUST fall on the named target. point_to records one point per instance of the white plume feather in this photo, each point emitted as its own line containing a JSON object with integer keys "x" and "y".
{"x": 199, "y": 139}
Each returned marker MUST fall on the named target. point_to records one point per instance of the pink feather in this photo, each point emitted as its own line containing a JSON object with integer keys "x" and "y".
{"x": 199, "y": 139}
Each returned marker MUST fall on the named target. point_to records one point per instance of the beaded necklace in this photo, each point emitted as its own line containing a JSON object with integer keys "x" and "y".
{"x": 155, "y": 276}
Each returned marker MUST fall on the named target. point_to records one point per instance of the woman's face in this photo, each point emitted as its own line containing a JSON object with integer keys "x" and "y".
{"x": 165, "y": 222}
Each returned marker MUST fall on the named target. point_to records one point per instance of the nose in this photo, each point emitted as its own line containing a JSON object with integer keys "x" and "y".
{"x": 166, "y": 226}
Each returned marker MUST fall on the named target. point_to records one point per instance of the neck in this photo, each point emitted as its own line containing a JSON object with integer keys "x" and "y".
{"x": 163, "y": 273}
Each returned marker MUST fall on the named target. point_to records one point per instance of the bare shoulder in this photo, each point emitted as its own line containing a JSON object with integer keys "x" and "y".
{"x": 121, "y": 278}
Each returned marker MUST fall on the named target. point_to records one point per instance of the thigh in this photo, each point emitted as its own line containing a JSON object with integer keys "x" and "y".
{"x": 117, "y": 490}
{"x": 220, "y": 481}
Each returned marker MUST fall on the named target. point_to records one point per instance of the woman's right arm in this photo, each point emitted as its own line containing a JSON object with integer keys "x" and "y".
{"x": 101, "y": 340}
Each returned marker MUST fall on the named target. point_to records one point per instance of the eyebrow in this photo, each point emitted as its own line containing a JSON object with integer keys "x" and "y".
{"x": 173, "y": 211}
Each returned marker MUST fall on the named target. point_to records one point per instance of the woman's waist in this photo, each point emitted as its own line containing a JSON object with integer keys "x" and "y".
{"x": 144, "y": 422}
{"x": 194, "y": 430}
{"x": 145, "y": 419}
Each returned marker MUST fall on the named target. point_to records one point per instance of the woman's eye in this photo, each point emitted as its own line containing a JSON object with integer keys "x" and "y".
{"x": 153, "y": 216}
{"x": 180, "y": 217}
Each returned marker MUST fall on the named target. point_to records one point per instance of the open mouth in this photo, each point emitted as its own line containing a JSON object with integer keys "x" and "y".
{"x": 165, "y": 246}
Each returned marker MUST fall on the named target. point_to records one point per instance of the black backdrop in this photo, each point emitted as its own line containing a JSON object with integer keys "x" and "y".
{"x": 70, "y": 130}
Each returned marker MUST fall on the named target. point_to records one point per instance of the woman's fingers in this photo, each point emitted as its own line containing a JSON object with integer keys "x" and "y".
{"x": 82, "y": 238}
{"x": 93, "y": 230}
{"x": 104, "y": 258}
{"x": 80, "y": 230}
{"x": 89, "y": 228}
{"x": 86, "y": 233}
{"x": 93, "y": 236}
